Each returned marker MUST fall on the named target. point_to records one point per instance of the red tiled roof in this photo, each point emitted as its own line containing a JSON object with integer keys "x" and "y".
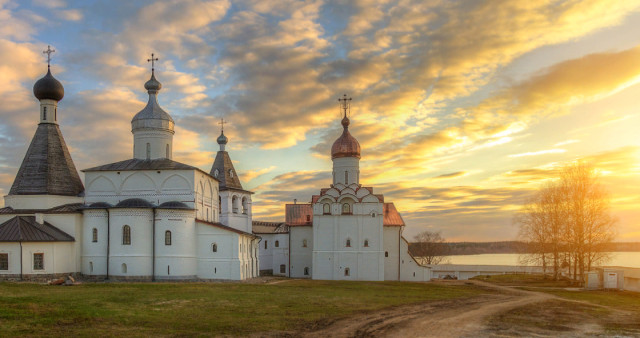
{"x": 392, "y": 217}
{"x": 298, "y": 214}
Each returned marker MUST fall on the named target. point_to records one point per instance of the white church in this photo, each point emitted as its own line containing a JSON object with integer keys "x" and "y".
{"x": 152, "y": 218}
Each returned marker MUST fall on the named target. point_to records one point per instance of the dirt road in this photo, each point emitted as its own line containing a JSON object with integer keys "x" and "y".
{"x": 457, "y": 318}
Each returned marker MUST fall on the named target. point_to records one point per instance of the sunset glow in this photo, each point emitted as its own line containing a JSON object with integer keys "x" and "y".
{"x": 462, "y": 109}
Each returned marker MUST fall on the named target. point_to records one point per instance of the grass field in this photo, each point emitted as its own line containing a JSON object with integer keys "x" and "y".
{"x": 145, "y": 309}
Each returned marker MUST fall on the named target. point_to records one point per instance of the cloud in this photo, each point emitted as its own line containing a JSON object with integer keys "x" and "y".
{"x": 540, "y": 152}
{"x": 69, "y": 14}
{"x": 451, "y": 175}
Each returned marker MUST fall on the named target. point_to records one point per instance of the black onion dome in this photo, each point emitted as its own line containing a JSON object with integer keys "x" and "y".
{"x": 174, "y": 205}
{"x": 222, "y": 139}
{"x": 48, "y": 88}
{"x": 99, "y": 205}
{"x": 134, "y": 203}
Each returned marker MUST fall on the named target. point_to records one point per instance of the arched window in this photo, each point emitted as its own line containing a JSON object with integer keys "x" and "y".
{"x": 148, "y": 151}
{"x": 94, "y": 235}
{"x": 245, "y": 205}
{"x": 366, "y": 243}
{"x": 214, "y": 247}
{"x": 346, "y": 178}
{"x": 306, "y": 271}
{"x": 265, "y": 244}
{"x": 326, "y": 209}
{"x": 346, "y": 209}
{"x": 346, "y": 272}
{"x": 231, "y": 173}
{"x": 167, "y": 237}
{"x": 277, "y": 244}
{"x": 126, "y": 235}
{"x": 124, "y": 268}
{"x": 386, "y": 253}
{"x": 348, "y": 244}
{"x": 55, "y": 114}
{"x": 167, "y": 150}
{"x": 44, "y": 113}
{"x": 219, "y": 203}
{"x": 234, "y": 204}
{"x": 304, "y": 243}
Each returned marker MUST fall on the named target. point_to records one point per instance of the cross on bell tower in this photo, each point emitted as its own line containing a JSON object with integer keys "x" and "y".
{"x": 48, "y": 52}
{"x": 345, "y": 104}
{"x": 153, "y": 62}
{"x": 221, "y": 123}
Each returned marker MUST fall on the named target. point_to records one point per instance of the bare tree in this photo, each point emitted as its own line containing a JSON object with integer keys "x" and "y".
{"x": 430, "y": 246}
{"x": 568, "y": 223}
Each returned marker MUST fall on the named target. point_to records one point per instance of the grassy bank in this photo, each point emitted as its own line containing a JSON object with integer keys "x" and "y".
{"x": 200, "y": 308}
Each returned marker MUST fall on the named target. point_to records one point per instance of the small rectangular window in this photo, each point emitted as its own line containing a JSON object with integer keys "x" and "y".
{"x": 38, "y": 261}
{"x": 4, "y": 261}
{"x": 283, "y": 268}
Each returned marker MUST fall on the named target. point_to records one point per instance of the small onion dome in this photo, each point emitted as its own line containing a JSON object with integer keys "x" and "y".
{"x": 222, "y": 139}
{"x": 174, "y": 205}
{"x": 134, "y": 203}
{"x": 152, "y": 116}
{"x": 346, "y": 145}
{"x": 99, "y": 205}
{"x": 48, "y": 88}
{"x": 153, "y": 84}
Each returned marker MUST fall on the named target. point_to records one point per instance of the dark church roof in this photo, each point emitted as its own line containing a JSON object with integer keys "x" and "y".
{"x": 227, "y": 174}
{"x": 47, "y": 168}
{"x": 138, "y": 164}
{"x": 26, "y": 229}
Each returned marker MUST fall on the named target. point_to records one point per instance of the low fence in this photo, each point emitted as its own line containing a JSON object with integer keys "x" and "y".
{"x": 468, "y": 271}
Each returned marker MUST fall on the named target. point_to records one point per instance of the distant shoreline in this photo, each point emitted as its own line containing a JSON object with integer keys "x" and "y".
{"x": 515, "y": 247}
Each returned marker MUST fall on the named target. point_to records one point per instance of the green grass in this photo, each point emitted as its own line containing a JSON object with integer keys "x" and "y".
{"x": 200, "y": 308}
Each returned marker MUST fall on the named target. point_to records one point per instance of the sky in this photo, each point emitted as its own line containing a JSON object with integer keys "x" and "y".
{"x": 462, "y": 108}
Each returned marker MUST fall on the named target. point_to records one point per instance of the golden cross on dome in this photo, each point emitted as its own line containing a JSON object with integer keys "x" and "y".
{"x": 48, "y": 52}
{"x": 345, "y": 104}
{"x": 221, "y": 123}
{"x": 152, "y": 60}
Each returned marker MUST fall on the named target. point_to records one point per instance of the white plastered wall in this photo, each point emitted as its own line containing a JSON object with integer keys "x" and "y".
{"x": 301, "y": 257}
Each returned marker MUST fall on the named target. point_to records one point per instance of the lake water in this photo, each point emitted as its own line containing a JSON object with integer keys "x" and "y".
{"x": 626, "y": 259}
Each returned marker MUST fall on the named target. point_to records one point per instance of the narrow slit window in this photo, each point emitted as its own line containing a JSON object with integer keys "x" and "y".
{"x": 214, "y": 247}
{"x": 44, "y": 113}
{"x": 167, "y": 237}
{"x": 347, "y": 272}
{"x": 148, "y": 151}
{"x": 94, "y": 236}
{"x": 126, "y": 235}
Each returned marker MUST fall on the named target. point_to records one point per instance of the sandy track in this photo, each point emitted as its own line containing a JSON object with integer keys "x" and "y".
{"x": 457, "y": 318}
